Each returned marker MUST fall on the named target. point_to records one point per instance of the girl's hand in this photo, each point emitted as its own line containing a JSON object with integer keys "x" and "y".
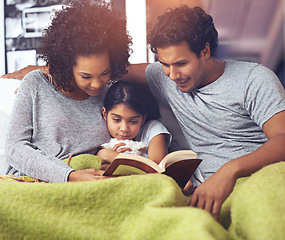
{"x": 188, "y": 189}
{"x": 119, "y": 149}
{"x": 86, "y": 175}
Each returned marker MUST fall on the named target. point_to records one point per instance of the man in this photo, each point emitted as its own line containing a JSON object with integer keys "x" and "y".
{"x": 231, "y": 113}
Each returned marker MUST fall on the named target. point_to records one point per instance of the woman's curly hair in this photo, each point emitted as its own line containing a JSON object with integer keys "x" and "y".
{"x": 83, "y": 28}
{"x": 192, "y": 25}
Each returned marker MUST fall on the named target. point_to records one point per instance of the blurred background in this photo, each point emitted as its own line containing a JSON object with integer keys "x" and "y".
{"x": 250, "y": 30}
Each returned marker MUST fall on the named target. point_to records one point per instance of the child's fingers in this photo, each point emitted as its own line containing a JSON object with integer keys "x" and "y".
{"x": 121, "y": 150}
{"x": 117, "y": 146}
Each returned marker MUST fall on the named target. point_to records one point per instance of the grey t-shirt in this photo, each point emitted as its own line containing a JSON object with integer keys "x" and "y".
{"x": 223, "y": 120}
{"x": 46, "y": 126}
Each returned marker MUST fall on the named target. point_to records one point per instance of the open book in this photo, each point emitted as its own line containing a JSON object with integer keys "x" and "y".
{"x": 180, "y": 165}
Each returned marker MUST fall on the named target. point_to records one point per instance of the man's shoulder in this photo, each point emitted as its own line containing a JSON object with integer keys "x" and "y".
{"x": 245, "y": 66}
{"x": 238, "y": 65}
{"x": 154, "y": 67}
{"x": 251, "y": 71}
{"x": 154, "y": 73}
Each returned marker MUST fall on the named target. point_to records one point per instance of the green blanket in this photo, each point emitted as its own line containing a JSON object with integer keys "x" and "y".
{"x": 140, "y": 207}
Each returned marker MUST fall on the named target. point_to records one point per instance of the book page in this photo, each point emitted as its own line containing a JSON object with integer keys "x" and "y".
{"x": 127, "y": 170}
{"x": 177, "y": 156}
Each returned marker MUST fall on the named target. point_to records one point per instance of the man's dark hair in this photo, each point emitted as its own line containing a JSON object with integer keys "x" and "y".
{"x": 192, "y": 25}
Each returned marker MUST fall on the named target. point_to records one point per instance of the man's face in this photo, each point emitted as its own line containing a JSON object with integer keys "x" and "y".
{"x": 183, "y": 66}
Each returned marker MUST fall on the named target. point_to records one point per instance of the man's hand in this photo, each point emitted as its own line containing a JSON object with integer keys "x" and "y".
{"x": 211, "y": 194}
{"x": 20, "y": 74}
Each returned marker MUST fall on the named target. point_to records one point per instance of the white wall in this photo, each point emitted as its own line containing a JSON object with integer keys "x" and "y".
{"x": 136, "y": 25}
{"x": 2, "y": 40}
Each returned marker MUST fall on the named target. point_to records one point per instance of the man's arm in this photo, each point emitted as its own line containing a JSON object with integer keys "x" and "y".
{"x": 136, "y": 72}
{"x": 20, "y": 74}
{"x": 211, "y": 194}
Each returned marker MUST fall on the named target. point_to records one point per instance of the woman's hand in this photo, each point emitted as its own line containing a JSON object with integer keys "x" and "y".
{"x": 86, "y": 175}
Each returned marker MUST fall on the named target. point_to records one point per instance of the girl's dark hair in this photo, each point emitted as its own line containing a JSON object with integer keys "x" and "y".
{"x": 192, "y": 25}
{"x": 83, "y": 28}
{"x": 135, "y": 96}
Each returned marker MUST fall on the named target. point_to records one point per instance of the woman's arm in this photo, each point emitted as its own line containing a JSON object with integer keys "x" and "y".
{"x": 20, "y": 151}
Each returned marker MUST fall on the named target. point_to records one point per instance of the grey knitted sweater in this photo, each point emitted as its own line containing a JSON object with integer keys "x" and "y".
{"x": 46, "y": 126}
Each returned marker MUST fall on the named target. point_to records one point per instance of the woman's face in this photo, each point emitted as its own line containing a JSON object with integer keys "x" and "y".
{"x": 91, "y": 74}
{"x": 123, "y": 122}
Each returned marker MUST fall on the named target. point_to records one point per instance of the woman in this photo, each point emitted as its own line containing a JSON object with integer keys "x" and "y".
{"x": 58, "y": 114}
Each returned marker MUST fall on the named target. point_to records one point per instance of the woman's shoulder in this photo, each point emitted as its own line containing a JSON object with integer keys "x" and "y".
{"x": 33, "y": 81}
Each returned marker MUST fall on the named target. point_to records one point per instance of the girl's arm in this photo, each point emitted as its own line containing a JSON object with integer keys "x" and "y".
{"x": 157, "y": 148}
{"x": 108, "y": 155}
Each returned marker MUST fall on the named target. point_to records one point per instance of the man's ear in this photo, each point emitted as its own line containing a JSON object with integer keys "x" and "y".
{"x": 104, "y": 113}
{"x": 206, "y": 52}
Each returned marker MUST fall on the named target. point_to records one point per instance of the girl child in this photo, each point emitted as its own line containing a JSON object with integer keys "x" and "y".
{"x": 132, "y": 113}
{"x": 55, "y": 115}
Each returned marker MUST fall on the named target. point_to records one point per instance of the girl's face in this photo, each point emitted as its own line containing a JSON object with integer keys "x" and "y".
{"x": 123, "y": 123}
{"x": 91, "y": 74}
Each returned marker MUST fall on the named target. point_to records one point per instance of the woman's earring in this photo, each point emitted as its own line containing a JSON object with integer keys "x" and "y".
{"x": 111, "y": 82}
